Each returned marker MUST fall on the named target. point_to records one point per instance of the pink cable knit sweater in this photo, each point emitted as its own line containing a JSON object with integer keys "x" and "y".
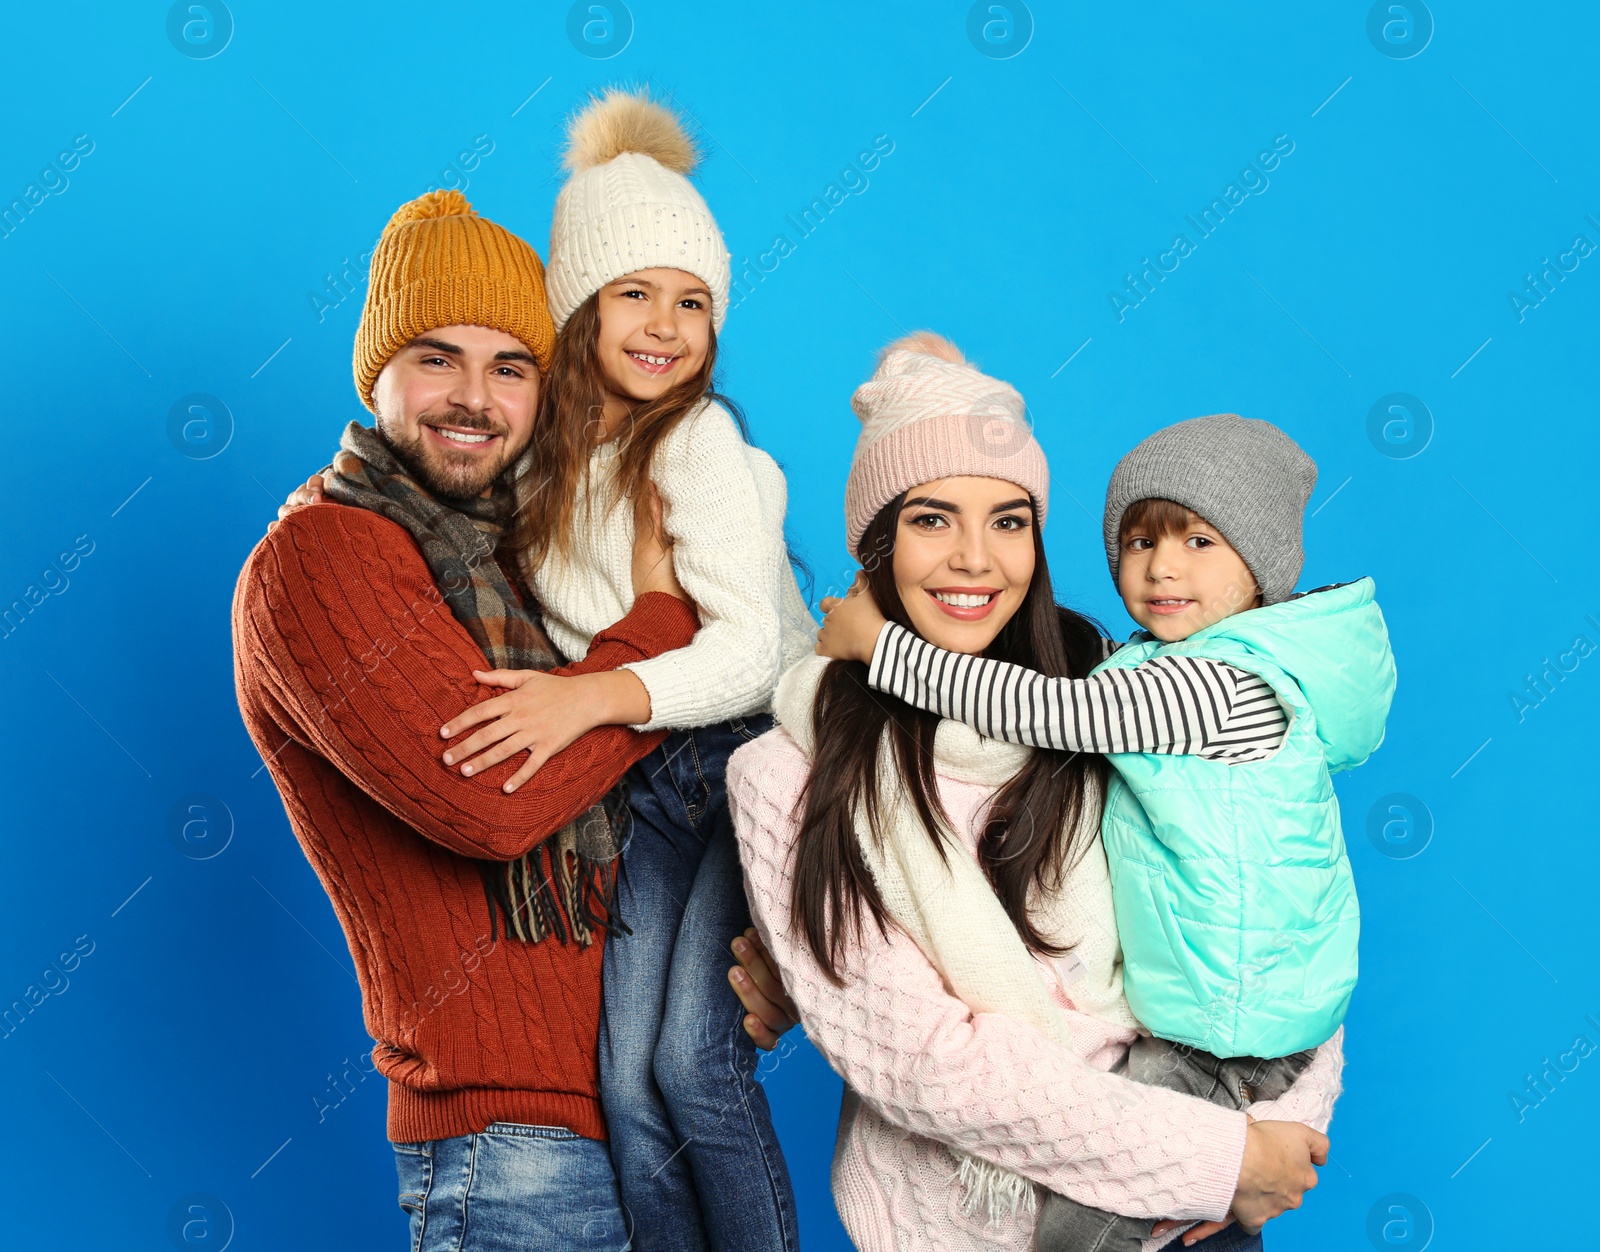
{"x": 922, "y": 1071}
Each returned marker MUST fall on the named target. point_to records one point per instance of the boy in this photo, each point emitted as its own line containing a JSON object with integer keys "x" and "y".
{"x": 1223, "y": 719}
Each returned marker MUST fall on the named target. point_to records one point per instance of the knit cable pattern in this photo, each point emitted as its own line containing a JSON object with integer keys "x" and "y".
{"x": 346, "y": 664}
{"x": 925, "y": 1073}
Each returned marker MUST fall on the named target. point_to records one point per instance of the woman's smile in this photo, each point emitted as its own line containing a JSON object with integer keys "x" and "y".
{"x": 965, "y": 526}
{"x": 966, "y": 604}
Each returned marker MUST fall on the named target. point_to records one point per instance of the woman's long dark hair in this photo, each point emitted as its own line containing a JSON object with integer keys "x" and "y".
{"x": 1029, "y": 840}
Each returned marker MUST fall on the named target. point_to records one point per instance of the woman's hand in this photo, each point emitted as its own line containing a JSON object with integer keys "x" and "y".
{"x": 1277, "y": 1170}
{"x": 770, "y": 1012}
{"x": 540, "y": 714}
{"x": 851, "y": 624}
{"x": 310, "y": 493}
{"x": 1277, "y": 1173}
{"x": 1195, "y": 1233}
{"x": 652, "y": 547}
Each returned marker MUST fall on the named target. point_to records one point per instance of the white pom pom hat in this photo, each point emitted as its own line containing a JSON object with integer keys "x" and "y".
{"x": 928, "y": 413}
{"x": 629, "y": 206}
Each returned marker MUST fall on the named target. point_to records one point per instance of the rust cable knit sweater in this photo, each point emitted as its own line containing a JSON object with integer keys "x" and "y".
{"x": 347, "y": 662}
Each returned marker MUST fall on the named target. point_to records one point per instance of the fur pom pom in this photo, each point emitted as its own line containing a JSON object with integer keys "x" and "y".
{"x": 926, "y": 343}
{"x": 622, "y": 121}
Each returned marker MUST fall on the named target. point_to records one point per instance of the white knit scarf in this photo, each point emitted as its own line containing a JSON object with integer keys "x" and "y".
{"x": 952, "y": 913}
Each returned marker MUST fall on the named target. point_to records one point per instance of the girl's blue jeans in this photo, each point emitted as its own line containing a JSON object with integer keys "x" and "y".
{"x": 696, "y": 1156}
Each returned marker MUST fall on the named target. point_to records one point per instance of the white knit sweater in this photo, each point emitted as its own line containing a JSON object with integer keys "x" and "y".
{"x": 725, "y": 503}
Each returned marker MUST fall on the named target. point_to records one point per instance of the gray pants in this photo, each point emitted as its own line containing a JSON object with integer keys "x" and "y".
{"x": 1233, "y": 1082}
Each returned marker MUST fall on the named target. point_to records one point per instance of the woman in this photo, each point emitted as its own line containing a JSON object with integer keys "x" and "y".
{"x": 938, "y": 903}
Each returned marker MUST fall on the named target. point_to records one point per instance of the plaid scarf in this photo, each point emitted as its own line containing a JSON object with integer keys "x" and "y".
{"x": 565, "y": 884}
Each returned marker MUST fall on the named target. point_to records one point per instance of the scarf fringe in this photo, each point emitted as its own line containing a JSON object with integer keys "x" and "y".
{"x": 996, "y": 1192}
{"x": 598, "y": 901}
{"x": 565, "y": 886}
{"x": 552, "y": 891}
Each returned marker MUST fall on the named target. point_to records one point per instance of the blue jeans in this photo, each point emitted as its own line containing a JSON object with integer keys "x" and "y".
{"x": 512, "y": 1188}
{"x": 696, "y": 1156}
{"x": 1233, "y": 1239}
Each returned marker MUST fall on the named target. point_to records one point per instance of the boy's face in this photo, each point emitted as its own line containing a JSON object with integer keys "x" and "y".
{"x": 1179, "y": 582}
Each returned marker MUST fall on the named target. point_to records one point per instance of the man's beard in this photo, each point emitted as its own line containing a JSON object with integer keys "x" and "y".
{"x": 438, "y": 470}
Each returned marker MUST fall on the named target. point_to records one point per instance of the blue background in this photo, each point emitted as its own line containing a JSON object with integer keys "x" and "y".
{"x": 190, "y": 1050}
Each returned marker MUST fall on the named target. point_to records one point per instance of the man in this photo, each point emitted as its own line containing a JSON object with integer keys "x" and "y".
{"x": 475, "y": 916}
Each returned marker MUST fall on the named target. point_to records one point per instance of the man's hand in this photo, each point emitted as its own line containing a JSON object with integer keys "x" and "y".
{"x": 652, "y": 547}
{"x": 1277, "y": 1170}
{"x": 755, "y": 981}
{"x": 310, "y": 493}
{"x": 851, "y": 624}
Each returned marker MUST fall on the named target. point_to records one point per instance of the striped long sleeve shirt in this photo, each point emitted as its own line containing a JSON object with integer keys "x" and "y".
{"x": 1170, "y": 704}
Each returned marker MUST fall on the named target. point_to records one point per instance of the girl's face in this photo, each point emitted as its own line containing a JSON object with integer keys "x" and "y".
{"x": 655, "y": 331}
{"x": 1179, "y": 582}
{"x": 963, "y": 559}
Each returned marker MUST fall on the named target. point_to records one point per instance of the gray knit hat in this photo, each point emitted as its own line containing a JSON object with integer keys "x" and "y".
{"x": 1245, "y": 477}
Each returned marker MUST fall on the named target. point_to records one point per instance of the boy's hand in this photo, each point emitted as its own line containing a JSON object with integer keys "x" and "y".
{"x": 851, "y": 625}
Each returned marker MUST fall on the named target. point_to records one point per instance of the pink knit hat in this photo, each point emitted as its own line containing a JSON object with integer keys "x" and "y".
{"x": 927, "y": 413}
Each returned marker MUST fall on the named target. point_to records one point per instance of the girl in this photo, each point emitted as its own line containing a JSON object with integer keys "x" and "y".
{"x": 938, "y": 902}
{"x": 638, "y": 285}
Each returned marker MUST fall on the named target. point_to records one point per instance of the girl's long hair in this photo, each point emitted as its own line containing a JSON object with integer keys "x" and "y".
{"x": 1030, "y": 837}
{"x": 571, "y": 402}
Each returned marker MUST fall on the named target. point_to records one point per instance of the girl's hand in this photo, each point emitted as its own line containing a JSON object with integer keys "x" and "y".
{"x": 310, "y": 493}
{"x": 770, "y": 1010}
{"x": 851, "y": 625}
{"x": 1277, "y": 1170}
{"x": 539, "y": 714}
{"x": 652, "y": 547}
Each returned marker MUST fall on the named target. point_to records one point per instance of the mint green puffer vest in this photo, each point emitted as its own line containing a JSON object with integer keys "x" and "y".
{"x": 1235, "y": 902}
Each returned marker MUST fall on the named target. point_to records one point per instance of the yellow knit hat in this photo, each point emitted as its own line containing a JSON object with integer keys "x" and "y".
{"x": 440, "y": 264}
